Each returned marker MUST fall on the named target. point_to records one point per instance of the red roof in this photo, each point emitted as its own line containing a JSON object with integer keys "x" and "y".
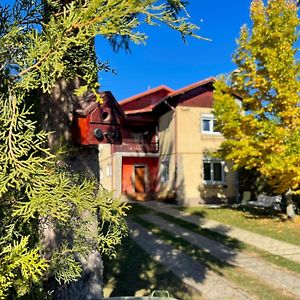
{"x": 151, "y": 99}
{"x": 192, "y": 86}
{"x": 144, "y": 102}
{"x": 187, "y": 89}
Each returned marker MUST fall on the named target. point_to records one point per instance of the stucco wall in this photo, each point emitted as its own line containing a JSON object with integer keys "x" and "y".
{"x": 105, "y": 159}
{"x": 191, "y": 145}
{"x": 166, "y": 131}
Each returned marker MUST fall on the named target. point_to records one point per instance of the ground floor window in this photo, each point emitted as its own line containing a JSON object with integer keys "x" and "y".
{"x": 164, "y": 177}
{"x": 213, "y": 171}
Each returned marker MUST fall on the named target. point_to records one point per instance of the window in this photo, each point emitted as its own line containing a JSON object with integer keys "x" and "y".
{"x": 164, "y": 170}
{"x": 213, "y": 171}
{"x": 108, "y": 170}
{"x": 138, "y": 137}
{"x": 209, "y": 124}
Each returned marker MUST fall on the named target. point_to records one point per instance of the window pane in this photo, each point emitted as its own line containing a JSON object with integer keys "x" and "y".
{"x": 214, "y": 126}
{"x": 206, "y": 171}
{"x": 165, "y": 171}
{"x": 217, "y": 171}
{"x": 138, "y": 136}
{"x": 205, "y": 124}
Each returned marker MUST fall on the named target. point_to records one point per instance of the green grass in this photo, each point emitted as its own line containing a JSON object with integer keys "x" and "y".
{"x": 226, "y": 240}
{"x": 235, "y": 244}
{"x": 241, "y": 278}
{"x": 274, "y": 226}
{"x": 238, "y": 276}
{"x": 279, "y": 261}
{"x": 134, "y": 272}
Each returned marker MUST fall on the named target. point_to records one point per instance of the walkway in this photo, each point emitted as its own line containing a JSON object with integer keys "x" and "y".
{"x": 286, "y": 250}
{"x": 267, "y": 272}
{"x": 191, "y": 272}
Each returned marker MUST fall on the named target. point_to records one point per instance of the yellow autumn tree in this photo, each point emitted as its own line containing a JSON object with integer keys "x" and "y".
{"x": 263, "y": 131}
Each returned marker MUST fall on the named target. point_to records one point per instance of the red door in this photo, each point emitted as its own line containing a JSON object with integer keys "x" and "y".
{"x": 139, "y": 179}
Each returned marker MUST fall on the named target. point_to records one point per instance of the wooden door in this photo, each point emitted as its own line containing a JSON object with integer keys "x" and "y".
{"x": 139, "y": 179}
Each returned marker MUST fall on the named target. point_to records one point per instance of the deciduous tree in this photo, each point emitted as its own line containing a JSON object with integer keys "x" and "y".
{"x": 263, "y": 133}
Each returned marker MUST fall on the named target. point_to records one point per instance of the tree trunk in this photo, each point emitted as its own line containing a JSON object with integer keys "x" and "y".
{"x": 57, "y": 115}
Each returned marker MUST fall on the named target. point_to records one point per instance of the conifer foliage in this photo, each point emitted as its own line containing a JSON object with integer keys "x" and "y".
{"x": 263, "y": 133}
{"x": 33, "y": 189}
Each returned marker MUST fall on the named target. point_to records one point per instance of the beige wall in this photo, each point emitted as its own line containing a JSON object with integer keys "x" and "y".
{"x": 117, "y": 168}
{"x": 166, "y": 130}
{"x": 105, "y": 159}
{"x": 192, "y": 145}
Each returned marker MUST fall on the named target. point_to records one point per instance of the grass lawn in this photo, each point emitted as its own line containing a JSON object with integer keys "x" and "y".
{"x": 241, "y": 278}
{"x": 134, "y": 272}
{"x": 230, "y": 242}
{"x": 235, "y": 244}
{"x": 276, "y": 226}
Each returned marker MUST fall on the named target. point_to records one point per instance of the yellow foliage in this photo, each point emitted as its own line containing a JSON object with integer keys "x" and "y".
{"x": 264, "y": 134}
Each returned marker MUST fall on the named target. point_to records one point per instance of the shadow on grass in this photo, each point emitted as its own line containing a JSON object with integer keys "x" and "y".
{"x": 182, "y": 242}
{"x": 259, "y": 213}
{"x": 220, "y": 237}
{"x": 247, "y": 212}
{"x": 134, "y": 270}
{"x": 206, "y": 253}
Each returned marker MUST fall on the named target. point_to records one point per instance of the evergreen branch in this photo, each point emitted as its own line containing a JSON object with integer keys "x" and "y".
{"x": 36, "y": 65}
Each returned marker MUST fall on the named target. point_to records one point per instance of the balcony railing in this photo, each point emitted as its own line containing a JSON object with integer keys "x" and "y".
{"x": 130, "y": 145}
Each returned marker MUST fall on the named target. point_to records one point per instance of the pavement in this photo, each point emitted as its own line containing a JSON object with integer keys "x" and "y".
{"x": 286, "y": 281}
{"x": 286, "y": 250}
{"x": 197, "y": 274}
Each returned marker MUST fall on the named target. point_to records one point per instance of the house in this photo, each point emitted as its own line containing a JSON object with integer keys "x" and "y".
{"x": 165, "y": 153}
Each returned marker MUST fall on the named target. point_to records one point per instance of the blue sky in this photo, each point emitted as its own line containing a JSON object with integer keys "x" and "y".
{"x": 165, "y": 59}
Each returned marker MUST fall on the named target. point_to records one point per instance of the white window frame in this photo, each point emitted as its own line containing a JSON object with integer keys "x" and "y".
{"x": 212, "y": 161}
{"x": 211, "y": 119}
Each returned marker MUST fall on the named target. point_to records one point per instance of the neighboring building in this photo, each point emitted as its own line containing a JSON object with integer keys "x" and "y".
{"x": 167, "y": 138}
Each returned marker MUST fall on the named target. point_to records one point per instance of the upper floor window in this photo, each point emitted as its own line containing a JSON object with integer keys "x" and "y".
{"x": 213, "y": 171}
{"x": 208, "y": 124}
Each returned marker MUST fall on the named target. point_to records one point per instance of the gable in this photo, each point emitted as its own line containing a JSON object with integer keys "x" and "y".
{"x": 145, "y": 101}
{"x": 199, "y": 94}
{"x": 203, "y": 98}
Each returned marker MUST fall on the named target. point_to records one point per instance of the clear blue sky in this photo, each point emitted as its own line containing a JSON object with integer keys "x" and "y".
{"x": 165, "y": 59}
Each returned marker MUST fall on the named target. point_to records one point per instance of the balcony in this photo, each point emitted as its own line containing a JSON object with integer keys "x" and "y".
{"x": 131, "y": 145}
